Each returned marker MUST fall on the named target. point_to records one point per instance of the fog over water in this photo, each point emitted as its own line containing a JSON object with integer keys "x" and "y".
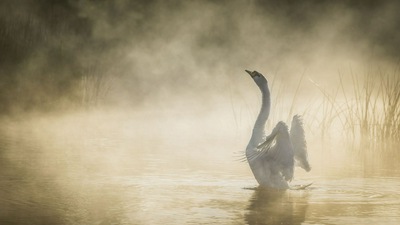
{"x": 135, "y": 112}
{"x": 149, "y": 51}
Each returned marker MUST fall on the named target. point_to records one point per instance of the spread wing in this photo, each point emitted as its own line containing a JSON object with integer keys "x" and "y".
{"x": 297, "y": 136}
{"x": 262, "y": 151}
{"x": 277, "y": 152}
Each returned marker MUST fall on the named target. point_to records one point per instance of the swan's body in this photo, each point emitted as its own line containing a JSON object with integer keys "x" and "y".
{"x": 272, "y": 158}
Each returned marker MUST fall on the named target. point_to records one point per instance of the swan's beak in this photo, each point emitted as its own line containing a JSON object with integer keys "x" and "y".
{"x": 249, "y": 72}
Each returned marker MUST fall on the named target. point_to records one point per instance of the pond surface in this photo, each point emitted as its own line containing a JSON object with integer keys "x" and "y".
{"x": 109, "y": 175}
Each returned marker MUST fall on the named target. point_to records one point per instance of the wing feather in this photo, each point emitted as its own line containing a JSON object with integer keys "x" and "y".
{"x": 297, "y": 136}
{"x": 276, "y": 151}
{"x": 261, "y": 151}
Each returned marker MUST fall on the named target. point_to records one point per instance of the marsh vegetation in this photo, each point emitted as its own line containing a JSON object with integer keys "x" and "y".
{"x": 366, "y": 109}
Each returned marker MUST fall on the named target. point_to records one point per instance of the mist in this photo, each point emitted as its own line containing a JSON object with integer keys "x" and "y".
{"x": 127, "y": 94}
{"x": 155, "y": 52}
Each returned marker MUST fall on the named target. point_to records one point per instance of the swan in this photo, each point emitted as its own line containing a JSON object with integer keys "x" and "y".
{"x": 272, "y": 157}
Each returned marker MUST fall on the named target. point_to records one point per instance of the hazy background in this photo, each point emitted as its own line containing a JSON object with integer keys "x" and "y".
{"x": 110, "y": 110}
{"x": 62, "y": 55}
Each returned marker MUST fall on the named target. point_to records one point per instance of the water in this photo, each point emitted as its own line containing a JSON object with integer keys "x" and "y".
{"x": 108, "y": 174}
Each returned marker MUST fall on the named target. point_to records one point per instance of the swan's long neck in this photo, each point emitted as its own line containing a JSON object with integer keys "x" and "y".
{"x": 259, "y": 127}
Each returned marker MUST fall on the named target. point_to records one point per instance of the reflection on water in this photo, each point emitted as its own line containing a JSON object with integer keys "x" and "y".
{"x": 108, "y": 175}
{"x": 277, "y": 207}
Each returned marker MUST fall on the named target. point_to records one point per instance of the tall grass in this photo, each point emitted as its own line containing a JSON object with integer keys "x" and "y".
{"x": 281, "y": 110}
{"x": 43, "y": 57}
{"x": 366, "y": 107}
{"x": 329, "y": 109}
{"x": 95, "y": 86}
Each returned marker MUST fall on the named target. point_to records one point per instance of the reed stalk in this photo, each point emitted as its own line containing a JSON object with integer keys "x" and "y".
{"x": 368, "y": 110}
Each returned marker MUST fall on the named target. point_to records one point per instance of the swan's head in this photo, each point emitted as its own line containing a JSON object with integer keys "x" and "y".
{"x": 258, "y": 78}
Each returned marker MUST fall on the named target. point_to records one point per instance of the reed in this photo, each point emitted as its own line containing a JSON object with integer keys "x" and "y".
{"x": 95, "y": 86}
{"x": 367, "y": 109}
{"x": 280, "y": 109}
{"x": 327, "y": 112}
